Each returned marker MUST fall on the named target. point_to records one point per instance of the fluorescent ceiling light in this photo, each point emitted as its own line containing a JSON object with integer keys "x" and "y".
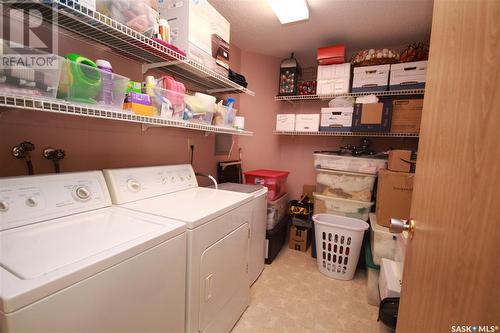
{"x": 290, "y": 10}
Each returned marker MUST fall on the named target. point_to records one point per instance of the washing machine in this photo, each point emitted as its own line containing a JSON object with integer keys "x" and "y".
{"x": 258, "y": 221}
{"x": 217, "y": 224}
{"x": 70, "y": 262}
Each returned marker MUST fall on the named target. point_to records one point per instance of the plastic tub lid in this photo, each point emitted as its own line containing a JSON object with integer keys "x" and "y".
{"x": 350, "y": 173}
{"x": 341, "y": 222}
{"x": 267, "y": 173}
{"x": 326, "y": 197}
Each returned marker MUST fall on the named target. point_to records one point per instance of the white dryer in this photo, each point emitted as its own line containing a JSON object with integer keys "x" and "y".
{"x": 69, "y": 262}
{"x": 217, "y": 231}
{"x": 258, "y": 226}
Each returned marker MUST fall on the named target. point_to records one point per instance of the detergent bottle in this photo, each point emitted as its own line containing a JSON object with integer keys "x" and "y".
{"x": 229, "y": 116}
{"x": 106, "y": 94}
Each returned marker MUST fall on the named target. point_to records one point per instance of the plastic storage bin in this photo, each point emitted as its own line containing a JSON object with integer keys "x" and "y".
{"x": 168, "y": 103}
{"x": 348, "y": 163}
{"x": 373, "y": 273}
{"x": 346, "y": 185}
{"x": 275, "y": 238}
{"x": 34, "y": 76}
{"x": 383, "y": 243}
{"x": 274, "y": 180}
{"x": 342, "y": 207}
{"x": 276, "y": 210}
{"x": 135, "y": 14}
{"x": 83, "y": 83}
{"x": 338, "y": 244}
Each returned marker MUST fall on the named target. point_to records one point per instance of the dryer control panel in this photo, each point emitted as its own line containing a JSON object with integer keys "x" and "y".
{"x": 31, "y": 199}
{"x": 127, "y": 185}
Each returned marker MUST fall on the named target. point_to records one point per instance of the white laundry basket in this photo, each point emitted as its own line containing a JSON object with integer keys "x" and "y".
{"x": 338, "y": 243}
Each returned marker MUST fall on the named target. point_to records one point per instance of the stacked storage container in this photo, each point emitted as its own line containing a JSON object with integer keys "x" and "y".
{"x": 277, "y": 207}
{"x": 333, "y": 79}
{"x": 344, "y": 184}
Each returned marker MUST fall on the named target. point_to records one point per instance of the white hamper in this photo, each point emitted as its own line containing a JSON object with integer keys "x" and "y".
{"x": 338, "y": 243}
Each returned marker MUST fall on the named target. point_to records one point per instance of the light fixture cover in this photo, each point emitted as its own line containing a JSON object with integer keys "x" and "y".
{"x": 289, "y": 11}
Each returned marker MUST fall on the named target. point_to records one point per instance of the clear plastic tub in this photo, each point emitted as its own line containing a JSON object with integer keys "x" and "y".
{"x": 29, "y": 72}
{"x": 83, "y": 83}
{"x": 333, "y": 161}
{"x": 383, "y": 243}
{"x": 168, "y": 103}
{"x": 373, "y": 274}
{"x": 276, "y": 210}
{"x": 346, "y": 185}
{"x": 274, "y": 180}
{"x": 135, "y": 14}
{"x": 342, "y": 207}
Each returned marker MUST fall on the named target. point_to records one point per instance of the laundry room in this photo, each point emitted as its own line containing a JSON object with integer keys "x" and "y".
{"x": 248, "y": 166}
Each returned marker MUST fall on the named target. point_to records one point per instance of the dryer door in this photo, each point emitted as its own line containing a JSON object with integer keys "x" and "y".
{"x": 224, "y": 282}
{"x": 258, "y": 226}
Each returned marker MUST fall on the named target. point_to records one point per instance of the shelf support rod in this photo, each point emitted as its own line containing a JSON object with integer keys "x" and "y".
{"x": 146, "y": 67}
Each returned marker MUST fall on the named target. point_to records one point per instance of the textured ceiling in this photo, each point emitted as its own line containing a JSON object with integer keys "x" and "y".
{"x": 358, "y": 24}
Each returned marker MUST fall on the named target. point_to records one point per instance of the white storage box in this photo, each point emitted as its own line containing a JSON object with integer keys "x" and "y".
{"x": 334, "y": 86}
{"x": 307, "y": 122}
{"x": 409, "y": 75}
{"x": 345, "y": 185}
{"x": 371, "y": 78}
{"x": 348, "y": 163}
{"x": 285, "y": 122}
{"x": 336, "y": 119}
{"x": 342, "y": 207}
{"x": 389, "y": 282}
{"x": 276, "y": 210}
{"x": 338, "y": 71}
{"x": 197, "y": 28}
{"x": 383, "y": 242}
{"x": 338, "y": 244}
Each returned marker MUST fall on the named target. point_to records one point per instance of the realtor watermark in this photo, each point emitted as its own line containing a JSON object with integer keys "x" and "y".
{"x": 29, "y": 35}
{"x": 474, "y": 328}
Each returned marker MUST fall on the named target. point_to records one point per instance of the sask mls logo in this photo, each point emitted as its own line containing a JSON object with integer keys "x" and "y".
{"x": 28, "y": 33}
{"x": 474, "y": 328}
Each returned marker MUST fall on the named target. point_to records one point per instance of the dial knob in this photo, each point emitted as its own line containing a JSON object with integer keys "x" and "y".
{"x": 133, "y": 185}
{"x": 4, "y": 206}
{"x": 31, "y": 202}
{"x": 82, "y": 193}
{"x": 164, "y": 180}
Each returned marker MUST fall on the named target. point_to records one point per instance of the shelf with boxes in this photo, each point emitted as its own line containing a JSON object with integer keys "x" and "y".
{"x": 360, "y": 134}
{"x": 85, "y": 22}
{"x": 98, "y": 111}
{"x": 327, "y": 97}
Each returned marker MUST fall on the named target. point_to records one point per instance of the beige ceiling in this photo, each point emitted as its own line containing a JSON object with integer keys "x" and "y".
{"x": 358, "y": 24}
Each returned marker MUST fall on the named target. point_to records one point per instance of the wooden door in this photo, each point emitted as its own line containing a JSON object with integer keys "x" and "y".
{"x": 452, "y": 269}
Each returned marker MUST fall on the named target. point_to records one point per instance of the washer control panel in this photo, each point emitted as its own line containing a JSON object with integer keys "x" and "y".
{"x": 126, "y": 185}
{"x": 32, "y": 199}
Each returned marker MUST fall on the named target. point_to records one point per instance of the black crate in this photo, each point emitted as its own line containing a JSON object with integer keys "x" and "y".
{"x": 275, "y": 239}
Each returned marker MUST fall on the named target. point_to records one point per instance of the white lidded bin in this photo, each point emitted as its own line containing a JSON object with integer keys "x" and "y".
{"x": 334, "y": 161}
{"x": 383, "y": 243}
{"x": 344, "y": 207}
{"x": 345, "y": 185}
{"x": 338, "y": 243}
{"x": 276, "y": 210}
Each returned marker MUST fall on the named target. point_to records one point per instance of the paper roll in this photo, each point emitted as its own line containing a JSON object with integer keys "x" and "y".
{"x": 239, "y": 122}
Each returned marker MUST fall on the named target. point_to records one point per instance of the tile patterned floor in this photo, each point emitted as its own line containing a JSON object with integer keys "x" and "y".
{"x": 291, "y": 295}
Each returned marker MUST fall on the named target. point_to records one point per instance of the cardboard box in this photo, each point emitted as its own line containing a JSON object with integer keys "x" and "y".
{"x": 371, "y": 78}
{"x": 374, "y": 117}
{"x": 394, "y": 193}
{"x": 402, "y": 160}
{"x": 337, "y": 119}
{"x": 285, "y": 122}
{"x": 334, "y": 54}
{"x": 406, "y": 115}
{"x": 300, "y": 238}
{"x": 408, "y": 75}
{"x": 197, "y": 28}
{"x": 307, "y": 122}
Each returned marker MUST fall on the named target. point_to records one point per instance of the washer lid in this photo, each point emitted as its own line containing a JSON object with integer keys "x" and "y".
{"x": 194, "y": 206}
{"x": 39, "y": 259}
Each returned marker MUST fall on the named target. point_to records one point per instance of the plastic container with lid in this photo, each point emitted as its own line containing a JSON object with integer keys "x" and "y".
{"x": 373, "y": 274}
{"x": 276, "y": 210}
{"x": 346, "y": 185}
{"x": 274, "y": 180}
{"x": 342, "y": 207}
{"x": 348, "y": 163}
{"x": 383, "y": 243}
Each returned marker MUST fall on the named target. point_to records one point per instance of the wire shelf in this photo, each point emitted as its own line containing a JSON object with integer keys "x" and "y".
{"x": 61, "y": 107}
{"x": 293, "y": 98}
{"x": 364, "y": 134}
{"x": 97, "y": 27}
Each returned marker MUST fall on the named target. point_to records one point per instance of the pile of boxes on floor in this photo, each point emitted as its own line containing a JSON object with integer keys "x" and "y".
{"x": 277, "y": 207}
{"x": 361, "y": 115}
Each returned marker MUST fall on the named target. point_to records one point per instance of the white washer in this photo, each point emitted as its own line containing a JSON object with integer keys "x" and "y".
{"x": 71, "y": 263}
{"x": 258, "y": 224}
{"x": 217, "y": 231}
